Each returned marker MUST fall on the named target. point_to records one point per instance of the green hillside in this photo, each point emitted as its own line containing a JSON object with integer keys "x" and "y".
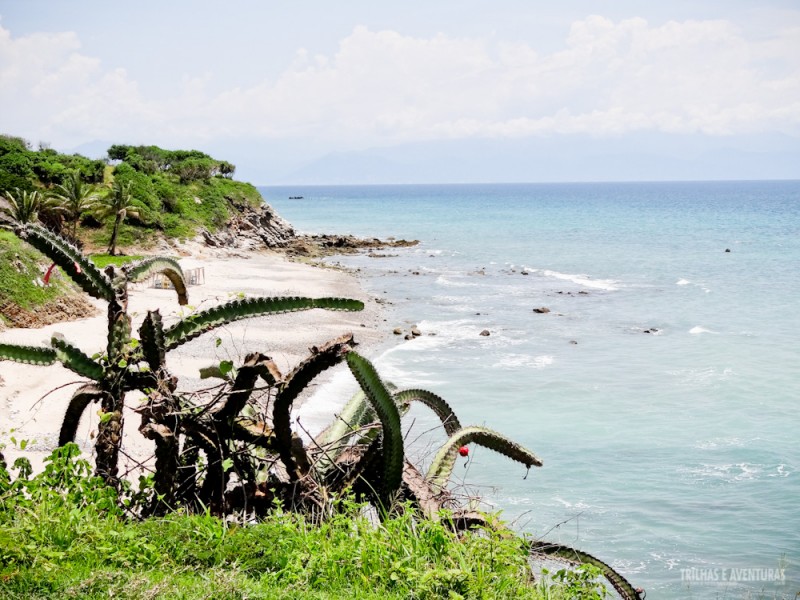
{"x": 174, "y": 192}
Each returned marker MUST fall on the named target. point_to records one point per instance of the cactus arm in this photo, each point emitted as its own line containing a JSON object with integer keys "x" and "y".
{"x": 355, "y": 414}
{"x": 255, "y": 365}
{"x": 197, "y": 324}
{"x": 31, "y": 355}
{"x": 389, "y": 416}
{"x": 77, "y": 405}
{"x": 80, "y": 269}
{"x": 435, "y": 403}
{"x": 169, "y": 267}
{"x": 153, "y": 344}
{"x": 321, "y": 358}
{"x": 578, "y": 557}
{"x": 442, "y": 466}
{"x": 75, "y": 360}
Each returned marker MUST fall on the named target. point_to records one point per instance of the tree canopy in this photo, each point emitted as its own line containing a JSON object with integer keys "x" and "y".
{"x": 188, "y": 165}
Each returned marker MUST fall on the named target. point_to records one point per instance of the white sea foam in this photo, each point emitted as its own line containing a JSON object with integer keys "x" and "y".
{"x": 584, "y": 280}
{"x": 699, "y": 329}
{"x": 708, "y": 375}
{"x": 728, "y": 473}
{"x": 781, "y": 470}
{"x": 715, "y": 443}
{"x": 449, "y": 282}
{"x": 683, "y": 282}
{"x": 515, "y": 361}
{"x": 317, "y": 412}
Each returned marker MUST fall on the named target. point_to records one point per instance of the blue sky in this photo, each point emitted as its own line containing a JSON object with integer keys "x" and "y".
{"x": 451, "y": 91}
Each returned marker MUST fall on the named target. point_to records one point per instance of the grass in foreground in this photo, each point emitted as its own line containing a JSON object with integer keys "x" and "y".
{"x": 63, "y": 534}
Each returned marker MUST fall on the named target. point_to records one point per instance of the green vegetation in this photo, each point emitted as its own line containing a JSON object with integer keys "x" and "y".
{"x": 117, "y": 205}
{"x": 173, "y": 193}
{"x": 27, "y": 169}
{"x": 203, "y": 439}
{"x": 75, "y": 198}
{"x": 130, "y": 364}
{"x": 103, "y": 260}
{"x": 25, "y": 207}
{"x": 20, "y": 275}
{"x": 146, "y": 193}
{"x": 65, "y": 534}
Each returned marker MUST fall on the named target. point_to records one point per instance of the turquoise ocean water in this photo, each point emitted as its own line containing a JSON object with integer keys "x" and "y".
{"x": 673, "y": 454}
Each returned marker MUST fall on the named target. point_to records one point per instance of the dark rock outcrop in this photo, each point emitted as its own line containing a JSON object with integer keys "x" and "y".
{"x": 253, "y": 228}
{"x": 263, "y": 228}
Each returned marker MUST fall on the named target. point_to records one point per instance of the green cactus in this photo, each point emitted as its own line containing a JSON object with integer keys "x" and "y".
{"x": 442, "y": 466}
{"x": 578, "y": 557}
{"x": 321, "y": 358}
{"x": 119, "y": 371}
{"x": 77, "y": 405}
{"x": 75, "y": 360}
{"x": 204, "y": 321}
{"x": 141, "y": 270}
{"x": 383, "y": 404}
{"x": 31, "y": 355}
{"x": 151, "y": 336}
{"x": 435, "y": 403}
{"x": 79, "y": 268}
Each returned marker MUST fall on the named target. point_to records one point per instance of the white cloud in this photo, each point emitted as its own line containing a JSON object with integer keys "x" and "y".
{"x": 381, "y": 87}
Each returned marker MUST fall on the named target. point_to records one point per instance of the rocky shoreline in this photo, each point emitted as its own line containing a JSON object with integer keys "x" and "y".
{"x": 263, "y": 229}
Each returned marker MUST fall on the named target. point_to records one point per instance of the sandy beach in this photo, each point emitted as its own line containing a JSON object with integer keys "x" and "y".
{"x": 34, "y": 398}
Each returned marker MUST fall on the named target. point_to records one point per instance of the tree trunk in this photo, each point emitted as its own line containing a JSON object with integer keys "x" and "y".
{"x": 112, "y": 245}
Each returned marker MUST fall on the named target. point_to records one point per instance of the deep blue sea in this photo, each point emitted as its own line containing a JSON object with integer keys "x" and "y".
{"x": 662, "y": 388}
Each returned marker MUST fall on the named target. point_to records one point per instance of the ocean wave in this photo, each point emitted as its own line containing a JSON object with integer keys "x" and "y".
{"x": 733, "y": 472}
{"x": 574, "y": 505}
{"x": 449, "y": 282}
{"x": 698, "y": 329}
{"x": 515, "y": 361}
{"x": 584, "y": 280}
{"x": 716, "y": 443}
{"x": 701, "y": 376}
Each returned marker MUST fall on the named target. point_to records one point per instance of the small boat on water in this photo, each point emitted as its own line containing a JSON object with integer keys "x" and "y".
{"x": 295, "y": 197}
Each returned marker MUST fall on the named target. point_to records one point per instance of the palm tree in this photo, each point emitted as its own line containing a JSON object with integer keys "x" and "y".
{"x": 119, "y": 203}
{"x": 75, "y": 197}
{"x": 24, "y": 206}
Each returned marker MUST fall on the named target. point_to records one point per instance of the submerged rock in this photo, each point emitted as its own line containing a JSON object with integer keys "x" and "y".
{"x": 541, "y": 310}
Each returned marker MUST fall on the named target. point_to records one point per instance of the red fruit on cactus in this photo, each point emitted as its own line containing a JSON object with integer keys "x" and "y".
{"x": 463, "y": 451}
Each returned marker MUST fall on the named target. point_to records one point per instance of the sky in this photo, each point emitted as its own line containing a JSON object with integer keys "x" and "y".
{"x": 416, "y": 92}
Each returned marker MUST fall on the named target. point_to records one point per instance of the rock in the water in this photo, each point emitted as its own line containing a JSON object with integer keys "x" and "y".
{"x": 415, "y": 331}
{"x": 398, "y": 331}
{"x": 485, "y": 333}
{"x": 408, "y": 337}
{"x": 541, "y": 310}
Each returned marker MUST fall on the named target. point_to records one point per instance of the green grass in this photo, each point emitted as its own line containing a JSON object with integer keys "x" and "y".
{"x": 103, "y": 260}
{"x": 63, "y": 535}
{"x": 21, "y": 270}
